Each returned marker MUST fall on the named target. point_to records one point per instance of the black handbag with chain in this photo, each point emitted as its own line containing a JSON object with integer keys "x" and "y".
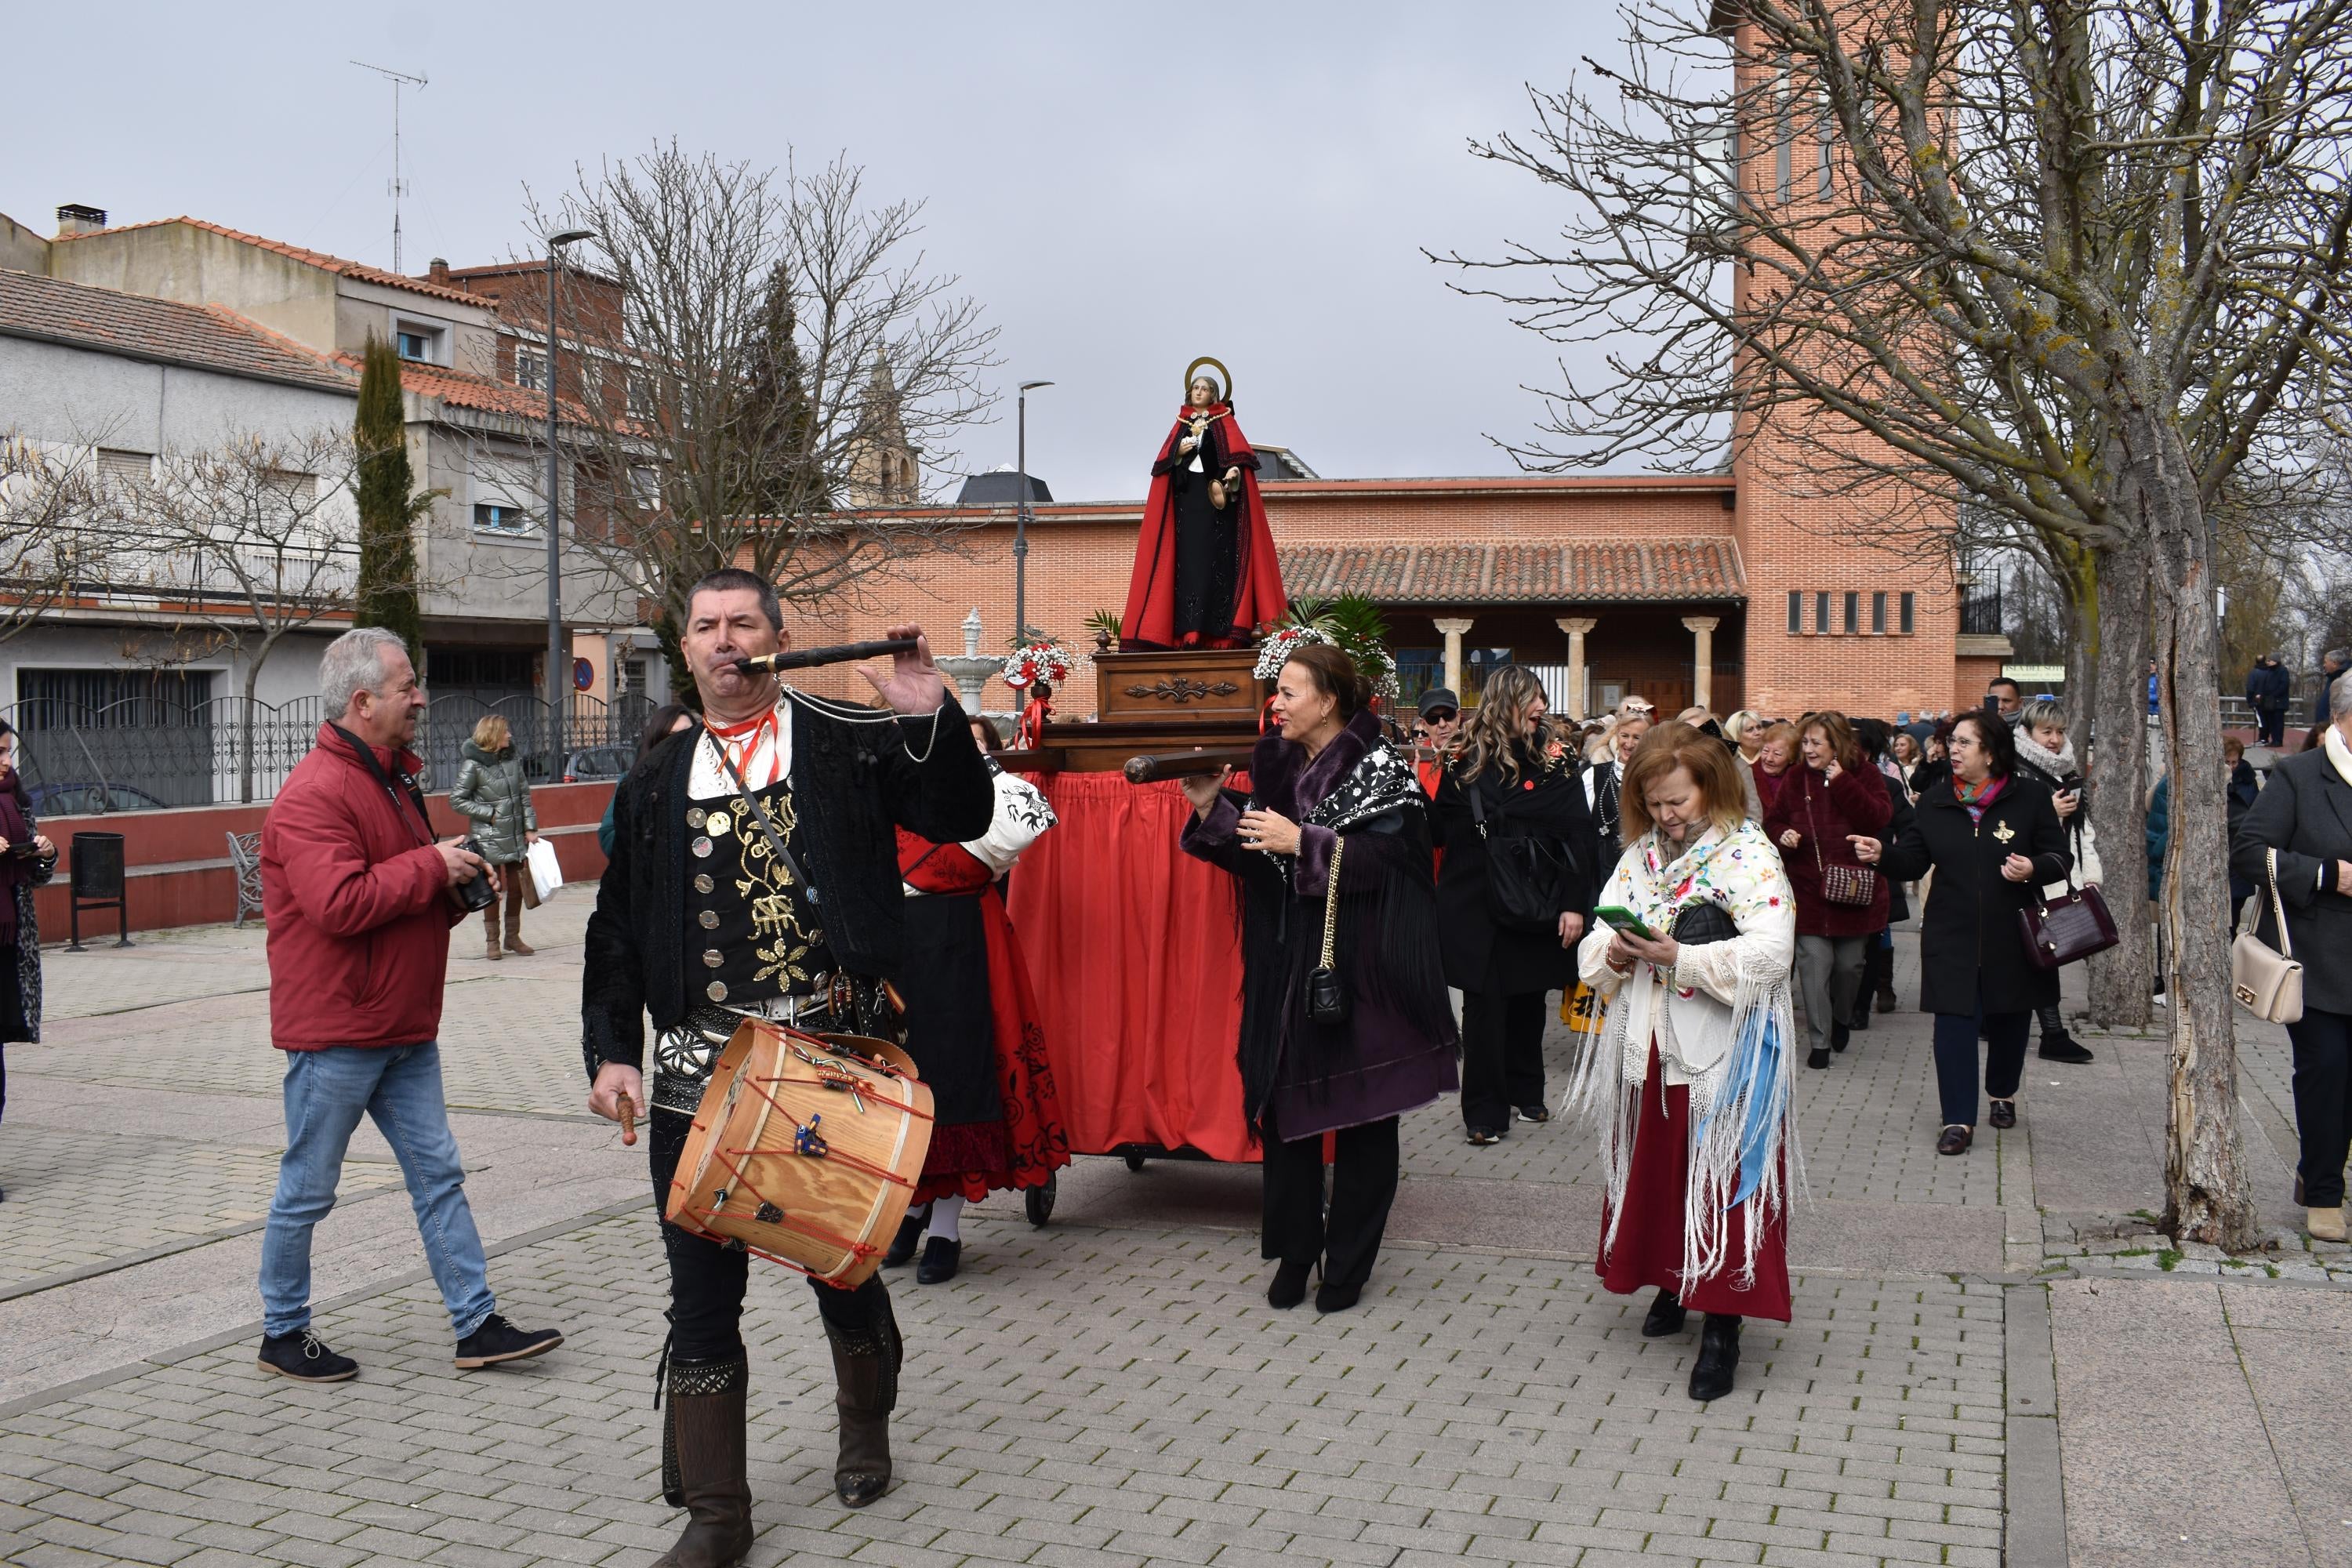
{"x": 1327, "y": 994}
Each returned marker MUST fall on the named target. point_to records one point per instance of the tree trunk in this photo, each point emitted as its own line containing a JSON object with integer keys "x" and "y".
{"x": 2122, "y": 977}
{"x": 2082, "y": 591}
{"x": 2207, "y": 1196}
{"x": 244, "y": 732}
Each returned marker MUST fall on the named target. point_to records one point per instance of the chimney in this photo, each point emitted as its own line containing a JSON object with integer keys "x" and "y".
{"x": 75, "y": 217}
{"x": 439, "y": 272}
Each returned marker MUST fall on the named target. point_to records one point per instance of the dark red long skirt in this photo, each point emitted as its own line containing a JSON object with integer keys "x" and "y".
{"x": 1649, "y": 1251}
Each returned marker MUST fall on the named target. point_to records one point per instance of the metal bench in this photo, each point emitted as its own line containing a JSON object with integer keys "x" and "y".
{"x": 244, "y": 857}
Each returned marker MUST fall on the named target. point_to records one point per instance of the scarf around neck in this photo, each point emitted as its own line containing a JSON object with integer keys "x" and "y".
{"x": 1978, "y": 797}
{"x": 2339, "y": 755}
{"x": 2058, "y": 764}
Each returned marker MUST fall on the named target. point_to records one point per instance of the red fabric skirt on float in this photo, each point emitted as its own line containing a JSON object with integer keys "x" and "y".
{"x": 1649, "y": 1250}
{"x": 1136, "y": 947}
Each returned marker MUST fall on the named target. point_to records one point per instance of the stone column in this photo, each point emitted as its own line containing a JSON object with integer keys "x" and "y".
{"x": 1455, "y": 628}
{"x": 1702, "y": 631}
{"x": 1572, "y": 699}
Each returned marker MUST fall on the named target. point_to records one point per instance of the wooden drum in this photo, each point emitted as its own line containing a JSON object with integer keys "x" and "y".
{"x": 805, "y": 1150}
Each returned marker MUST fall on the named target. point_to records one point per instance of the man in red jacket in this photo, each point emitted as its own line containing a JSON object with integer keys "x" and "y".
{"x": 360, "y": 900}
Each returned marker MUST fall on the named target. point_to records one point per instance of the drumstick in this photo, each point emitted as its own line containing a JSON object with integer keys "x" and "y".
{"x": 629, "y": 1118}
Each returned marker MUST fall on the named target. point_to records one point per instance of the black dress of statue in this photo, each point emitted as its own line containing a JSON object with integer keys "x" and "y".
{"x": 1208, "y": 544}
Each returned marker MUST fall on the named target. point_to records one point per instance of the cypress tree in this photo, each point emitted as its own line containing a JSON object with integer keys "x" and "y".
{"x": 387, "y": 584}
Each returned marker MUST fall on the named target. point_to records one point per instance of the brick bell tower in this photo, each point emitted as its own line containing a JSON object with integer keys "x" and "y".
{"x": 1852, "y": 599}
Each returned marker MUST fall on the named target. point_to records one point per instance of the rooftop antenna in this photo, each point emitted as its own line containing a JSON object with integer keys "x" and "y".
{"x": 398, "y": 186}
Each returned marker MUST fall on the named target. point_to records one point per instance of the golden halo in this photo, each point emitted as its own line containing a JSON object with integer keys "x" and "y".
{"x": 1226, "y": 387}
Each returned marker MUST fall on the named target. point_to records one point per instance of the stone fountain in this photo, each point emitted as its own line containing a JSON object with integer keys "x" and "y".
{"x": 971, "y": 669}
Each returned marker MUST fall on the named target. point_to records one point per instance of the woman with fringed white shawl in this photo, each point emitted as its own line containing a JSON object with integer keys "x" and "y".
{"x": 1689, "y": 1075}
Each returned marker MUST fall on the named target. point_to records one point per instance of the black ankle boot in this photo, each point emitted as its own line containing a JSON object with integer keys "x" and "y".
{"x": 1718, "y": 1354}
{"x": 702, "y": 1462}
{"x": 1664, "y": 1317}
{"x": 910, "y": 1237}
{"x": 1289, "y": 1287}
{"x": 866, "y": 1372}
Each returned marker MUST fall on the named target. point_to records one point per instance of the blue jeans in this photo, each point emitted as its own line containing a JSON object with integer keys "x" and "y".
{"x": 400, "y": 1088}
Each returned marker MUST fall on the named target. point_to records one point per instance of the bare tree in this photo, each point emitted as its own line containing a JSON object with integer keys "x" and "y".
{"x": 2079, "y": 262}
{"x": 784, "y": 363}
{"x": 53, "y": 527}
{"x": 252, "y": 539}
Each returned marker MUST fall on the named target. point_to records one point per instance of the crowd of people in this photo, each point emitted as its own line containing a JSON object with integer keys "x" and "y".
{"x": 1409, "y": 906}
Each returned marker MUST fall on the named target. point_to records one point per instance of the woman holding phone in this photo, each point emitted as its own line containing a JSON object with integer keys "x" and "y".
{"x": 1690, "y": 950}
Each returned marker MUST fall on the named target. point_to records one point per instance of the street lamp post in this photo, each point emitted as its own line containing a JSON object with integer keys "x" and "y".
{"x": 558, "y": 670}
{"x": 1021, "y": 523}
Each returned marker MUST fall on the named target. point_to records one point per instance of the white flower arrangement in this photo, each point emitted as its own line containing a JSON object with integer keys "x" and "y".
{"x": 1276, "y": 651}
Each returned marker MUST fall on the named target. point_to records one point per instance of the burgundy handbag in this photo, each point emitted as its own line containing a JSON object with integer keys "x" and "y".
{"x": 2058, "y": 932}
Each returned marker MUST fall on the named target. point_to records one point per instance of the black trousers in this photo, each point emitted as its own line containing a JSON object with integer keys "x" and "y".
{"x": 2323, "y": 1103}
{"x": 1956, "y": 1060}
{"x": 1502, "y": 1057}
{"x": 1363, "y": 1185}
{"x": 2270, "y": 730}
{"x": 707, "y": 1280}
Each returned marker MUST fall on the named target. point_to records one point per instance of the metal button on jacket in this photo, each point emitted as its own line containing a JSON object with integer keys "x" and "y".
{"x": 694, "y": 815}
{"x": 701, "y": 847}
{"x": 703, "y": 884}
{"x": 710, "y": 919}
{"x": 716, "y": 990}
{"x": 712, "y": 958}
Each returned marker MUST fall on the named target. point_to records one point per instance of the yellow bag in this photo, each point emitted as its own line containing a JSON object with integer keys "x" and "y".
{"x": 1581, "y": 1009}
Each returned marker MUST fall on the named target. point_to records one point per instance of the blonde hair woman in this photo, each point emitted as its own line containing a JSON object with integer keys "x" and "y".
{"x": 491, "y": 793}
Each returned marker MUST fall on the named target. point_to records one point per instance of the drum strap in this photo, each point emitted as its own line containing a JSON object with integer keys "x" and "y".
{"x": 767, "y": 827}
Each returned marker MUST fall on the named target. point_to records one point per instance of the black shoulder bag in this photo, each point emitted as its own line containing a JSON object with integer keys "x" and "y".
{"x": 1525, "y": 874}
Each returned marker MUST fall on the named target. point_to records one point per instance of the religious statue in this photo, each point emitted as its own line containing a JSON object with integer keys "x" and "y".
{"x": 1206, "y": 575}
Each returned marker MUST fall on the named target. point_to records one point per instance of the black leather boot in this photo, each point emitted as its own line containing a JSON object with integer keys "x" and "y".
{"x": 866, "y": 1364}
{"x": 1718, "y": 1355}
{"x": 1664, "y": 1317}
{"x": 702, "y": 1462}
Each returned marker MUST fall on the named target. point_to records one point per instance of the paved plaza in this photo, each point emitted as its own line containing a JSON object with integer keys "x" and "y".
{"x": 1994, "y": 1358}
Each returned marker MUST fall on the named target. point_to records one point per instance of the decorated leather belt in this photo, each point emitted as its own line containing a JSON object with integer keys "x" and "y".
{"x": 684, "y": 1053}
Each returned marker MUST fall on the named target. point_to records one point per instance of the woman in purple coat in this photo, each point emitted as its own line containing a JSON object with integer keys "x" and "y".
{"x": 1330, "y": 802}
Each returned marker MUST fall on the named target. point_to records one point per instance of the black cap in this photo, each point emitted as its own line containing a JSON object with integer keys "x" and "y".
{"x": 1438, "y": 696}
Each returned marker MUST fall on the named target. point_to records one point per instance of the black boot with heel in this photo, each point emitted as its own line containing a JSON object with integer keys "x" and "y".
{"x": 866, "y": 1369}
{"x": 703, "y": 1462}
{"x": 1718, "y": 1357}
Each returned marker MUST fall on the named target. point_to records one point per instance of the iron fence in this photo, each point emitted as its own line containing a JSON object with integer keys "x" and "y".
{"x": 141, "y": 755}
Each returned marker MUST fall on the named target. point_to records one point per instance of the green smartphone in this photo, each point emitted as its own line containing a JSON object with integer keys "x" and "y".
{"x": 1617, "y": 918}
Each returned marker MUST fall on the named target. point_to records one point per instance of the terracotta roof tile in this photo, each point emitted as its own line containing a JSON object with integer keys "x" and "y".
{"x": 318, "y": 259}
{"x": 1577, "y": 571}
{"x": 207, "y": 337}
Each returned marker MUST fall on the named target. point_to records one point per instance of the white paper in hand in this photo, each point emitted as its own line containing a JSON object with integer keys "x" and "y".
{"x": 546, "y": 876}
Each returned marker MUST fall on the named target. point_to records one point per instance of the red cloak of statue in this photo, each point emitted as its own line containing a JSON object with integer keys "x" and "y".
{"x": 1149, "y": 621}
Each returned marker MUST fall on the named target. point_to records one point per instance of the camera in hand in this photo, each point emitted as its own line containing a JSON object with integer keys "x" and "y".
{"x": 475, "y": 892}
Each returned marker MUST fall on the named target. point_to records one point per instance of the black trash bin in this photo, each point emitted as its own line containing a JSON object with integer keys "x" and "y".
{"x": 97, "y": 884}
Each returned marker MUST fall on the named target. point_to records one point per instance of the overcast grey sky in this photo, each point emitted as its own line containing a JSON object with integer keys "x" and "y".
{"x": 1123, "y": 187}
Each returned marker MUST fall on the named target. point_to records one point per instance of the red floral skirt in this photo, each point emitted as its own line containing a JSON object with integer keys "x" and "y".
{"x": 970, "y": 1161}
{"x": 1649, "y": 1250}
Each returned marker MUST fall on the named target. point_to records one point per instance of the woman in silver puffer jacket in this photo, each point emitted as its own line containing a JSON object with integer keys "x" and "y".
{"x": 490, "y": 793}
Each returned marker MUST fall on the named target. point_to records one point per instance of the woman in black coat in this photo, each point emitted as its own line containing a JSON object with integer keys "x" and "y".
{"x": 1992, "y": 838}
{"x": 2304, "y": 815}
{"x": 1331, "y": 804}
{"x": 1523, "y": 786}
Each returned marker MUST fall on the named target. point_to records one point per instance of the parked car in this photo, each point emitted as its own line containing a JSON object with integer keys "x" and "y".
{"x": 89, "y": 799}
{"x": 594, "y": 763}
